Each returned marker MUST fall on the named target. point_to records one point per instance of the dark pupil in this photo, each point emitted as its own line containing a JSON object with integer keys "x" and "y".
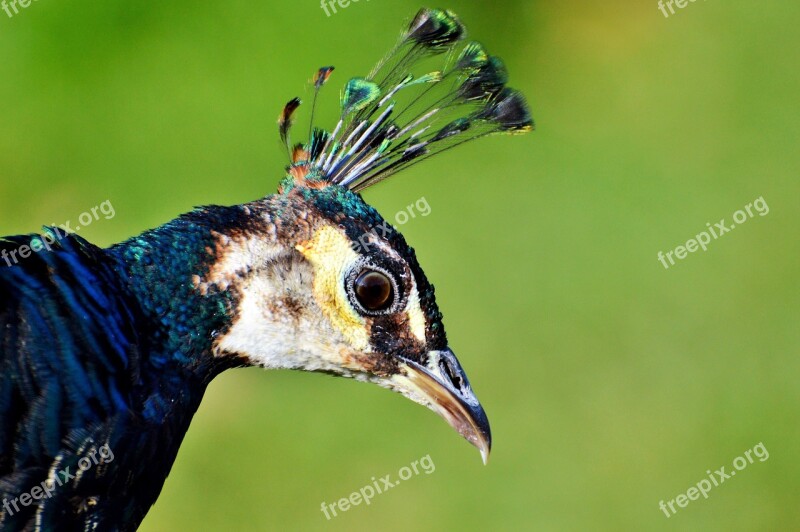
{"x": 374, "y": 290}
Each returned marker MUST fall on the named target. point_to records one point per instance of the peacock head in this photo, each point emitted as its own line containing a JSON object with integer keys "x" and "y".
{"x": 322, "y": 282}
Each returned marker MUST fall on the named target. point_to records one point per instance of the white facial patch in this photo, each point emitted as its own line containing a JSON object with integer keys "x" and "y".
{"x": 236, "y": 255}
{"x": 278, "y": 324}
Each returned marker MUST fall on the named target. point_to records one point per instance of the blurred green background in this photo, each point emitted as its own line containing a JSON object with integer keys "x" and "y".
{"x": 611, "y": 383}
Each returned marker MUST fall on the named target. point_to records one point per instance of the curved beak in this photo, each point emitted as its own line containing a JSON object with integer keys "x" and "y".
{"x": 442, "y": 386}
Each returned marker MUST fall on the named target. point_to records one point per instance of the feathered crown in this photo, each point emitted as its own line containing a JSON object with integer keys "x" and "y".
{"x": 394, "y": 117}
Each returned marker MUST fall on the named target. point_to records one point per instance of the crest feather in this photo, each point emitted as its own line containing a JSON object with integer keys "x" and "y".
{"x": 396, "y": 116}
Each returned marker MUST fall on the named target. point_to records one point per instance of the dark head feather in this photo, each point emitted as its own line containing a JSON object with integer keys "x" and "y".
{"x": 285, "y": 120}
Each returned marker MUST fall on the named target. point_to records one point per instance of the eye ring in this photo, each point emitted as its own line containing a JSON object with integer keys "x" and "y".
{"x": 373, "y": 290}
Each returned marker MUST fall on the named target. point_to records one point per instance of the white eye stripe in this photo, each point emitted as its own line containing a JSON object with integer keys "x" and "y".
{"x": 416, "y": 317}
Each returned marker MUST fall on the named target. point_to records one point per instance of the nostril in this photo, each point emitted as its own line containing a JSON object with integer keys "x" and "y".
{"x": 450, "y": 371}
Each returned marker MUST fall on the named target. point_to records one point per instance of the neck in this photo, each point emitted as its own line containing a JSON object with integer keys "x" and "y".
{"x": 162, "y": 268}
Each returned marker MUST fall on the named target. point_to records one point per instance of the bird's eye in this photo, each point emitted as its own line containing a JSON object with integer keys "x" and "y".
{"x": 373, "y": 290}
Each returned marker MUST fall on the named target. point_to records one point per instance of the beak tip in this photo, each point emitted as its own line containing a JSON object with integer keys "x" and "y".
{"x": 484, "y": 444}
{"x": 485, "y": 456}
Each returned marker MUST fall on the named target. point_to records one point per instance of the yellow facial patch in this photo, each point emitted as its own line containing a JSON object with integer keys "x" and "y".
{"x": 331, "y": 254}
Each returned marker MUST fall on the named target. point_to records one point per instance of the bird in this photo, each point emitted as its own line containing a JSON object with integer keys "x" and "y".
{"x": 106, "y": 352}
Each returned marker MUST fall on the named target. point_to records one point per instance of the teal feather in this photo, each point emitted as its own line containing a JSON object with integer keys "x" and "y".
{"x": 357, "y": 94}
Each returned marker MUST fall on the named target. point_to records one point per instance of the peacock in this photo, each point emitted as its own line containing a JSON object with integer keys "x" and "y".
{"x": 106, "y": 353}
